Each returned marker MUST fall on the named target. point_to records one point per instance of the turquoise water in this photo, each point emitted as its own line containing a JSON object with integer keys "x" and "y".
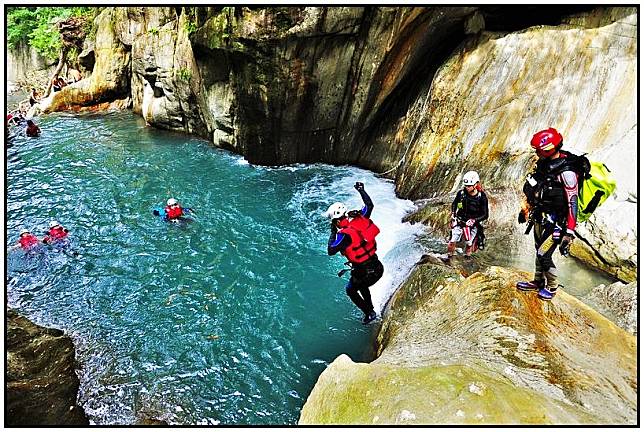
{"x": 229, "y": 319}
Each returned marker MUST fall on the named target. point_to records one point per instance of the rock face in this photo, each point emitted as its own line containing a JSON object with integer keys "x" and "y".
{"x": 621, "y": 300}
{"x": 497, "y": 89}
{"x": 41, "y": 383}
{"x": 108, "y": 85}
{"x": 24, "y": 62}
{"x": 474, "y": 350}
{"x": 421, "y": 94}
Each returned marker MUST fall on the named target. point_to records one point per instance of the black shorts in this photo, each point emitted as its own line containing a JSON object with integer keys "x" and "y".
{"x": 367, "y": 273}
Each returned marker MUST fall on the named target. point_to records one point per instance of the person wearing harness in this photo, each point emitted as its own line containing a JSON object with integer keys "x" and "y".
{"x": 353, "y": 234}
{"x": 469, "y": 209}
{"x": 552, "y": 192}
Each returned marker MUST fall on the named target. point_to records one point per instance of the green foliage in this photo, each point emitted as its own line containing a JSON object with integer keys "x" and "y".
{"x": 185, "y": 74}
{"x": 36, "y": 26}
{"x": 153, "y": 31}
{"x": 90, "y": 28}
{"x": 72, "y": 56}
{"x": 20, "y": 22}
{"x": 191, "y": 27}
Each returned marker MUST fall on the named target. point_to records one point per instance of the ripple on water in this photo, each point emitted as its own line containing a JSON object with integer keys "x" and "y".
{"x": 226, "y": 320}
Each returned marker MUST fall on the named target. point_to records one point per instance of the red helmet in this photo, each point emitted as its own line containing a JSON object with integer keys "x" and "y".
{"x": 547, "y": 142}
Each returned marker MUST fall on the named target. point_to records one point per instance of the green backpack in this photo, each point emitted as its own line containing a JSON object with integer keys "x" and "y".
{"x": 596, "y": 183}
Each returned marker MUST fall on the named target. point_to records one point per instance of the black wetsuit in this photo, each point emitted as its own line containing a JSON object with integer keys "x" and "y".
{"x": 466, "y": 206}
{"x": 471, "y": 207}
{"x": 363, "y": 275}
{"x": 554, "y": 202}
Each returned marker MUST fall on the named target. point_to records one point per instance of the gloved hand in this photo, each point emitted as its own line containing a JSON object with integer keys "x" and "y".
{"x": 359, "y": 186}
{"x": 453, "y": 222}
{"x": 353, "y": 213}
{"x": 522, "y": 218}
{"x": 566, "y": 241}
{"x": 470, "y": 222}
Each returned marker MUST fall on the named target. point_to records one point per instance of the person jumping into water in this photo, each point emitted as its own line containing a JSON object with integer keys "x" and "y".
{"x": 353, "y": 234}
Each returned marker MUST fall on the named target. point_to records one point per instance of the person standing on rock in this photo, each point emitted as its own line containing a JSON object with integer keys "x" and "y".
{"x": 469, "y": 209}
{"x": 551, "y": 191}
{"x": 353, "y": 234}
{"x": 34, "y": 98}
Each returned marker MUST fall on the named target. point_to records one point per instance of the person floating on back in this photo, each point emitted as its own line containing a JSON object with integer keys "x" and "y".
{"x": 552, "y": 192}
{"x": 469, "y": 209}
{"x": 353, "y": 234}
{"x": 56, "y": 234}
{"x": 32, "y": 129}
{"x": 172, "y": 211}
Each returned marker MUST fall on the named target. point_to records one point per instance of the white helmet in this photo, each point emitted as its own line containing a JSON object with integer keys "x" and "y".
{"x": 336, "y": 210}
{"x": 172, "y": 201}
{"x": 24, "y": 231}
{"x": 53, "y": 224}
{"x": 470, "y": 178}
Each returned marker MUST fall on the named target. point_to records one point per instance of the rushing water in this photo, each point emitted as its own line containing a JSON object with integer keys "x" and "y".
{"x": 229, "y": 319}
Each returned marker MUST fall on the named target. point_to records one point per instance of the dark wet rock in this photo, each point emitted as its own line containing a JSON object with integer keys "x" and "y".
{"x": 151, "y": 422}
{"x": 87, "y": 56}
{"x": 42, "y": 385}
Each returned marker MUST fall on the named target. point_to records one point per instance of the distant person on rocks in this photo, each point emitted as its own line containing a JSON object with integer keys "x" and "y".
{"x": 55, "y": 86}
{"x": 56, "y": 233}
{"x": 34, "y": 97}
{"x": 353, "y": 234}
{"x": 18, "y": 118}
{"x": 73, "y": 75}
{"x": 469, "y": 209}
{"x": 173, "y": 210}
{"x": 552, "y": 191}
{"x": 32, "y": 129}
{"x": 15, "y": 118}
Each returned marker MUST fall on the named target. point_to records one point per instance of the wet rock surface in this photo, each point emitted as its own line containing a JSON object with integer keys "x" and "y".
{"x": 41, "y": 385}
{"x": 621, "y": 300}
{"x": 420, "y": 94}
{"x": 455, "y": 350}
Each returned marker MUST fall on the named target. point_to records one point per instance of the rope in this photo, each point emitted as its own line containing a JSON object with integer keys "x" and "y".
{"x": 411, "y": 139}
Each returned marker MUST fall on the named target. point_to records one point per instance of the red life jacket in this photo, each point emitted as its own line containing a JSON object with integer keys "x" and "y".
{"x": 363, "y": 234}
{"x": 28, "y": 241}
{"x": 173, "y": 212}
{"x": 57, "y": 233}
